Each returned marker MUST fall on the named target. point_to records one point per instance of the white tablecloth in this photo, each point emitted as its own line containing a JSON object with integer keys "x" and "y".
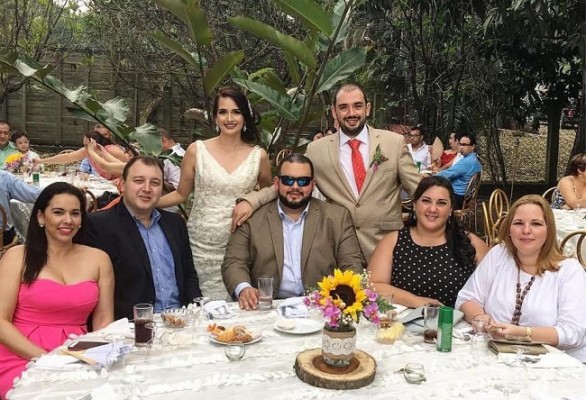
{"x": 201, "y": 371}
{"x": 21, "y": 212}
{"x": 568, "y": 221}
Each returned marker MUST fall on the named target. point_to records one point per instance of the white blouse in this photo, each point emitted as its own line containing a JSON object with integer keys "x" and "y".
{"x": 556, "y": 299}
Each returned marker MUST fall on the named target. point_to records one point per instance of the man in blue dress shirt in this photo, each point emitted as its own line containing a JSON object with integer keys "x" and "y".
{"x": 149, "y": 248}
{"x": 460, "y": 174}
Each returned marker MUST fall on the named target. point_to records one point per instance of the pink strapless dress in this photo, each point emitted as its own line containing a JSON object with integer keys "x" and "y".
{"x": 47, "y": 312}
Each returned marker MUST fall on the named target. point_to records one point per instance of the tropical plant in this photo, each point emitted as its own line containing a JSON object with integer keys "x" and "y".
{"x": 112, "y": 113}
{"x": 315, "y": 65}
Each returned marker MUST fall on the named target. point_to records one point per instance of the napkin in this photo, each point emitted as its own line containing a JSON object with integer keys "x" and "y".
{"x": 549, "y": 360}
{"x": 120, "y": 327}
{"x": 293, "y": 307}
{"x": 54, "y": 361}
{"x": 218, "y": 309}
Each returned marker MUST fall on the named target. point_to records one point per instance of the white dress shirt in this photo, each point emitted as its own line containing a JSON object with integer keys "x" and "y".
{"x": 421, "y": 155}
{"x": 345, "y": 156}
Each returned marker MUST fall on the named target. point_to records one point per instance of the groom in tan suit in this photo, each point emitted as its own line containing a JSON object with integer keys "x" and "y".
{"x": 295, "y": 239}
{"x": 364, "y": 177}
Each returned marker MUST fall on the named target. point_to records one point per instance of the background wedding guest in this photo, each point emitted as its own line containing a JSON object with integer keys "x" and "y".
{"x": 295, "y": 239}
{"x": 460, "y": 174}
{"x": 6, "y": 146}
{"x": 418, "y": 149}
{"x": 525, "y": 287}
{"x": 78, "y": 155}
{"x": 172, "y": 171}
{"x": 359, "y": 168}
{"x": 219, "y": 171}
{"x": 22, "y": 143}
{"x": 51, "y": 285}
{"x": 448, "y": 156}
{"x": 12, "y": 187}
{"x": 149, "y": 248}
{"x": 572, "y": 188}
{"x": 432, "y": 257}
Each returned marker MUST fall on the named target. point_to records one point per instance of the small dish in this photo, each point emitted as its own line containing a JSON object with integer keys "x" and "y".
{"x": 301, "y": 327}
{"x": 256, "y": 339}
{"x": 390, "y": 334}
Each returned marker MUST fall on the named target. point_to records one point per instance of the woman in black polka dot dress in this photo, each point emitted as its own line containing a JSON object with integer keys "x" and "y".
{"x": 431, "y": 258}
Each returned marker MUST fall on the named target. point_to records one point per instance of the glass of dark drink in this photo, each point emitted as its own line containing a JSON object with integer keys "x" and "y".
{"x": 430, "y": 319}
{"x": 143, "y": 324}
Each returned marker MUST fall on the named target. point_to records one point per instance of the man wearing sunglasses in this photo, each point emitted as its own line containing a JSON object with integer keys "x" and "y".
{"x": 295, "y": 239}
{"x": 460, "y": 173}
{"x": 360, "y": 168}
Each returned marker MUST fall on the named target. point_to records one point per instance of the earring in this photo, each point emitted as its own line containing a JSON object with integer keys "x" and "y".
{"x": 41, "y": 225}
{"x": 244, "y": 128}
{"x": 217, "y": 129}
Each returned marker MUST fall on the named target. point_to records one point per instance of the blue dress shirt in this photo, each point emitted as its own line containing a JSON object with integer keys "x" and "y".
{"x": 460, "y": 174}
{"x": 162, "y": 263}
{"x": 12, "y": 187}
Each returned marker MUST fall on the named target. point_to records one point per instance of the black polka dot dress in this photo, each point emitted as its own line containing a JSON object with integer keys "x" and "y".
{"x": 427, "y": 271}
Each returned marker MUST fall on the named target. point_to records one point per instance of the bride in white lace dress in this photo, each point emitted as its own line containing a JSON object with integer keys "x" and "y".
{"x": 219, "y": 170}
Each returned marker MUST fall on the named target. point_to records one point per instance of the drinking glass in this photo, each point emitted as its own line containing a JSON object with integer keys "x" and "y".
{"x": 265, "y": 293}
{"x": 143, "y": 315}
{"x": 414, "y": 373}
{"x": 515, "y": 378}
{"x": 235, "y": 351}
{"x": 200, "y": 314}
{"x": 430, "y": 320}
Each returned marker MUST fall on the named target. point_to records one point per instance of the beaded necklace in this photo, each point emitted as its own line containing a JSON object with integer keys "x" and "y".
{"x": 520, "y": 297}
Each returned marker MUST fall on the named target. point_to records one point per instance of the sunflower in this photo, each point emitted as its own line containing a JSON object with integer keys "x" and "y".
{"x": 13, "y": 158}
{"x": 345, "y": 291}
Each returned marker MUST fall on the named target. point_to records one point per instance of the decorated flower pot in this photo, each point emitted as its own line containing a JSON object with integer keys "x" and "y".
{"x": 338, "y": 346}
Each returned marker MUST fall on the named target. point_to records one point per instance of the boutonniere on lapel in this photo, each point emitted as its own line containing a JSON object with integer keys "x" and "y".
{"x": 378, "y": 158}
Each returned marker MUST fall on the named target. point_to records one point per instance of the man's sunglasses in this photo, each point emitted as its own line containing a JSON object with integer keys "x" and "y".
{"x": 302, "y": 181}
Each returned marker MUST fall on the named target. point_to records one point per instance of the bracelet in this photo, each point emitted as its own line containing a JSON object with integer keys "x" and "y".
{"x": 528, "y": 333}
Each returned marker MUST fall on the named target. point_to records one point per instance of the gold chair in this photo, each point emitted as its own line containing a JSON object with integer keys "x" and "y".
{"x": 549, "y": 194}
{"x": 468, "y": 211}
{"x": 491, "y": 229}
{"x": 92, "y": 204}
{"x": 280, "y": 155}
{"x": 579, "y": 251}
{"x": 3, "y": 224}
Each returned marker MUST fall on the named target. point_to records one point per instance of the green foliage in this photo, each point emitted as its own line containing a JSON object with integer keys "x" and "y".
{"x": 112, "y": 113}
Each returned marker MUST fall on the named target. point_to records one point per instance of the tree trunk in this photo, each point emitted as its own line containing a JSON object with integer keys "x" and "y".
{"x": 553, "y": 143}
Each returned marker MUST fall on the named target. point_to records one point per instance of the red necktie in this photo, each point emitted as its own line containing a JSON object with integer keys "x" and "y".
{"x": 357, "y": 164}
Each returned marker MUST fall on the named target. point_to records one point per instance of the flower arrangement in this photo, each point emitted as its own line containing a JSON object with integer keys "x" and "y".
{"x": 378, "y": 158}
{"x": 343, "y": 297}
{"x": 13, "y": 162}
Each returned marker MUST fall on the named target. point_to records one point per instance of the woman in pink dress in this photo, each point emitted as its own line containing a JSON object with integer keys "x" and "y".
{"x": 51, "y": 285}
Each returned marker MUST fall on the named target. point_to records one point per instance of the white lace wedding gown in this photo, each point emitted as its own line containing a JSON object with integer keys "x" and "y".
{"x": 215, "y": 194}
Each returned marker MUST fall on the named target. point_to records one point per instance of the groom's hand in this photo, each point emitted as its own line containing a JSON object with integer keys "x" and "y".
{"x": 248, "y": 298}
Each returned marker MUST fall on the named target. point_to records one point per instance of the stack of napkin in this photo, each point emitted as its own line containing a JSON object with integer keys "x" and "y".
{"x": 293, "y": 307}
{"x": 218, "y": 309}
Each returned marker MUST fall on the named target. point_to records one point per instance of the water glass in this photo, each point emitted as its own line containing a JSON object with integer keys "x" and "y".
{"x": 414, "y": 373}
{"x": 235, "y": 351}
{"x": 479, "y": 345}
{"x": 430, "y": 320}
{"x": 265, "y": 293}
{"x": 200, "y": 314}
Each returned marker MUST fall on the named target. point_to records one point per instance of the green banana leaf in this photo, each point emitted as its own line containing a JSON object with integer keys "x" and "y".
{"x": 218, "y": 72}
{"x": 282, "y": 104}
{"x": 175, "y": 47}
{"x": 272, "y": 35}
{"x": 309, "y": 12}
{"x": 341, "y": 67}
{"x": 193, "y": 16}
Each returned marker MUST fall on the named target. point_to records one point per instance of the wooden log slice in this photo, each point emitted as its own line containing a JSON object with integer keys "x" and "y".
{"x": 311, "y": 369}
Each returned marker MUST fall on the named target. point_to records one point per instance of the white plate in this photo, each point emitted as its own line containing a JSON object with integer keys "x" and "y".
{"x": 255, "y": 340}
{"x": 302, "y": 327}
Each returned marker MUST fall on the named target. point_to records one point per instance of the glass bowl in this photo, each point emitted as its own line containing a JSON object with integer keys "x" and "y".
{"x": 388, "y": 334}
{"x": 177, "y": 318}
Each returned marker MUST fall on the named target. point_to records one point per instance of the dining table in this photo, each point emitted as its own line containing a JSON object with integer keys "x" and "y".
{"x": 566, "y": 222}
{"x": 188, "y": 364}
{"x": 21, "y": 212}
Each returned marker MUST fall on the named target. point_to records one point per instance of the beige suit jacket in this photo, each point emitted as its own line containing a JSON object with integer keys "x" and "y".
{"x": 256, "y": 248}
{"x": 377, "y": 210}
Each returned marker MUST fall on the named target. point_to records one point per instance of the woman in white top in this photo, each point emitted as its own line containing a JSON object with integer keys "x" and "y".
{"x": 525, "y": 287}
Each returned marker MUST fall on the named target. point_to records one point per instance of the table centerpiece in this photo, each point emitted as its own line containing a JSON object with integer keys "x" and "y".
{"x": 342, "y": 298}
